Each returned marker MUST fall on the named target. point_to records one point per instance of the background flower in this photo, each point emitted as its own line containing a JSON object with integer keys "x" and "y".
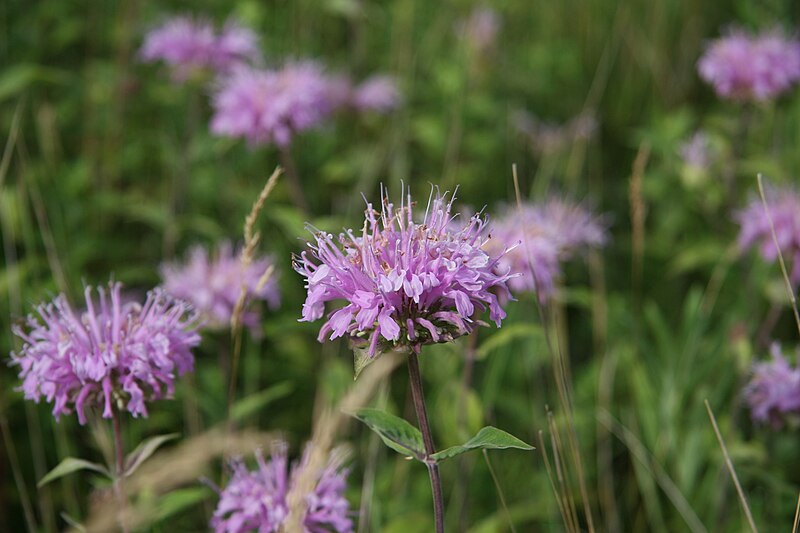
{"x": 212, "y": 284}
{"x": 783, "y": 204}
{"x": 256, "y": 500}
{"x": 742, "y": 66}
{"x": 190, "y": 45}
{"x": 774, "y": 389}
{"x": 546, "y": 234}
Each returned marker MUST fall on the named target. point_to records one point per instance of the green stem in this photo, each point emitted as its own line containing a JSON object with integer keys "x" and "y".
{"x": 119, "y": 452}
{"x": 427, "y": 439}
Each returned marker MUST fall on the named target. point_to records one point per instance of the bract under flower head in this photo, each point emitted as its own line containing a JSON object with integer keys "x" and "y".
{"x": 213, "y": 284}
{"x": 773, "y": 393}
{"x": 271, "y": 106}
{"x": 747, "y": 67}
{"x": 402, "y": 283}
{"x": 783, "y": 205}
{"x": 190, "y": 45}
{"x": 113, "y": 355}
{"x": 256, "y": 500}
{"x": 549, "y": 233}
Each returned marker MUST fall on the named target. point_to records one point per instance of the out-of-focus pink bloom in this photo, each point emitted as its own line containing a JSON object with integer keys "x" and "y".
{"x": 272, "y": 106}
{"x": 774, "y": 390}
{"x": 783, "y": 205}
{"x": 378, "y": 93}
{"x": 480, "y": 29}
{"x": 213, "y": 284}
{"x": 190, "y": 45}
{"x": 550, "y": 233}
{"x": 745, "y": 67}
{"x": 256, "y": 500}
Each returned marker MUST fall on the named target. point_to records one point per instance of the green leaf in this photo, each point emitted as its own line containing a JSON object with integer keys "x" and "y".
{"x": 361, "y": 360}
{"x": 70, "y": 465}
{"x": 488, "y": 438}
{"x": 255, "y": 402}
{"x": 180, "y": 499}
{"x": 395, "y": 432}
{"x": 144, "y": 450}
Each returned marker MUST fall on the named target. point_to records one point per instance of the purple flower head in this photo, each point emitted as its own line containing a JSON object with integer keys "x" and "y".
{"x": 745, "y": 67}
{"x": 378, "y": 93}
{"x": 549, "y": 233}
{"x": 256, "y": 500}
{"x": 271, "y": 106}
{"x": 114, "y": 353}
{"x": 480, "y": 29}
{"x": 774, "y": 389}
{"x": 697, "y": 152}
{"x": 402, "y": 283}
{"x": 190, "y": 45}
{"x": 213, "y": 284}
{"x": 784, "y": 210}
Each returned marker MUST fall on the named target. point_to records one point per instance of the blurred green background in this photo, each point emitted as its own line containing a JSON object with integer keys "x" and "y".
{"x": 669, "y": 314}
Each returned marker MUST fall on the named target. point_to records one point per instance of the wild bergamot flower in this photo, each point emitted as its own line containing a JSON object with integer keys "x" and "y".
{"x": 256, "y": 500}
{"x": 113, "y": 355}
{"x": 745, "y": 67}
{"x": 213, "y": 283}
{"x": 403, "y": 283}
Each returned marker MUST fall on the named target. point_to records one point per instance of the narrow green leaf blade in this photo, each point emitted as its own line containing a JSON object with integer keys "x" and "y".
{"x": 144, "y": 450}
{"x": 395, "y": 432}
{"x": 255, "y": 402}
{"x": 488, "y": 438}
{"x": 70, "y": 465}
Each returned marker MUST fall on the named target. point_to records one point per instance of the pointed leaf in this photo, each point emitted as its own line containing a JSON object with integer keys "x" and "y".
{"x": 395, "y": 432}
{"x": 361, "y": 360}
{"x": 488, "y": 438}
{"x": 255, "y": 402}
{"x": 70, "y": 465}
{"x": 145, "y": 449}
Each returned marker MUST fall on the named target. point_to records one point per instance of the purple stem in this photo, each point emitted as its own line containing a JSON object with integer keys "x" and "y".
{"x": 427, "y": 440}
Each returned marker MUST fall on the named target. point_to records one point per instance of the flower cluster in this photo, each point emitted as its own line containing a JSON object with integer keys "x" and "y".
{"x": 747, "y": 67}
{"x": 378, "y": 93}
{"x": 271, "y": 106}
{"x": 549, "y": 233}
{"x": 116, "y": 355}
{"x": 697, "y": 152}
{"x": 213, "y": 284}
{"x": 783, "y": 205}
{"x": 773, "y": 393}
{"x": 480, "y": 29}
{"x": 256, "y": 500}
{"x": 403, "y": 283}
{"x": 188, "y": 46}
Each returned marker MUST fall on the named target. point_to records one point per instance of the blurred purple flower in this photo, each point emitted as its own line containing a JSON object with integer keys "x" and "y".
{"x": 256, "y": 500}
{"x": 271, "y": 106}
{"x": 784, "y": 210}
{"x": 403, "y": 283}
{"x": 118, "y": 352}
{"x": 190, "y": 45}
{"x": 696, "y": 151}
{"x": 746, "y": 67}
{"x": 213, "y": 284}
{"x": 480, "y": 29}
{"x": 774, "y": 389}
{"x": 549, "y": 233}
{"x": 378, "y": 93}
